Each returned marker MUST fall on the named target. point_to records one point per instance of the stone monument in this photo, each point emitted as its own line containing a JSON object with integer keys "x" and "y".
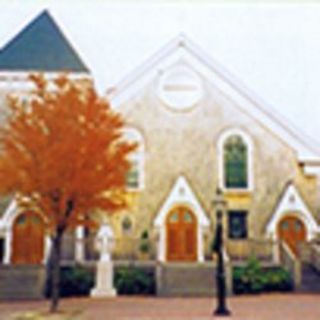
{"x": 104, "y": 273}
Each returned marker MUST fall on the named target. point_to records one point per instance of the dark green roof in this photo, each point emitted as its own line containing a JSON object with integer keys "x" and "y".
{"x": 40, "y": 46}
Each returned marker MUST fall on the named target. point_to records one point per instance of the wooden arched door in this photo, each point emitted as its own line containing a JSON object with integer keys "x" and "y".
{"x": 181, "y": 227}
{"x": 28, "y": 239}
{"x": 292, "y": 230}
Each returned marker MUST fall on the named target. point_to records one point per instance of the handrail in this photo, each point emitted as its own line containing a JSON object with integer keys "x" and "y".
{"x": 290, "y": 261}
{"x": 242, "y": 249}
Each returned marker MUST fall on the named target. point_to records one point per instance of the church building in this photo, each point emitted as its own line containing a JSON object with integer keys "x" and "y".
{"x": 198, "y": 129}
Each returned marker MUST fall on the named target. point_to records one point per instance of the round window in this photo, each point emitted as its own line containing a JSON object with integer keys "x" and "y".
{"x": 180, "y": 88}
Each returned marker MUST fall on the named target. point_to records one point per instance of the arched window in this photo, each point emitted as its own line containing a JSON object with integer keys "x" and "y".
{"x": 135, "y": 175}
{"x": 127, "y": 225}
{"x": 235, "y": 153}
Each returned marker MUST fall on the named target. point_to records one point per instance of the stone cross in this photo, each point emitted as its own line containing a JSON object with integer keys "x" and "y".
{"x": 104, "y": 242}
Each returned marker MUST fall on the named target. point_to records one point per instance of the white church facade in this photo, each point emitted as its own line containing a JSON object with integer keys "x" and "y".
{"x": 198, "y": 129}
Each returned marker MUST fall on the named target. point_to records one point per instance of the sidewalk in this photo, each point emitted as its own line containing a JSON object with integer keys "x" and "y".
{"x": 261, "y": 307}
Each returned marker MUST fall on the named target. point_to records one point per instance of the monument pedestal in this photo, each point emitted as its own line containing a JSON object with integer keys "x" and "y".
{"x": 104, "y": 281}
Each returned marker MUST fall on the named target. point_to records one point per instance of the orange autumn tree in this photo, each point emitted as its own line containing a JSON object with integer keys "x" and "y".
{"x": 62, "y": 152}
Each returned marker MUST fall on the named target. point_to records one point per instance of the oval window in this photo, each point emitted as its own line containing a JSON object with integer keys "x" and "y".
{"x": 126, "y": 225}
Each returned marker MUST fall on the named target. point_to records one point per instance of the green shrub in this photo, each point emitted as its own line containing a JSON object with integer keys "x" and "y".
{"x": 74, "y": 281}
{"x": 132, "y": 280}
{"x": 278, "y": 279}
{"x": 248, "y": 279}
{"x": 252, "y": 278}
{"x": 78, "y": 281}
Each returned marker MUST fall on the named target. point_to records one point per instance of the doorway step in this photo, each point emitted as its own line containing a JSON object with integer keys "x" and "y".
{"x": 21, "y": 282}
{"x": 187, "y": 279}
{"x": 310, "y": 279}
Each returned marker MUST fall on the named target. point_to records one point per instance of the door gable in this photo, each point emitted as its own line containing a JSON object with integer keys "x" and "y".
{"x": 291, "y": 202}
{"x": 181, "y": 194}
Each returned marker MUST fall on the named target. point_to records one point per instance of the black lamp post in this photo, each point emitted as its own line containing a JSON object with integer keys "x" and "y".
{"x": 220, "y": 204}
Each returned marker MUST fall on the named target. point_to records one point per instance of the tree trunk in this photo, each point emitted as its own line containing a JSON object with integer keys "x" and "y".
{"x": 55, "y": 271}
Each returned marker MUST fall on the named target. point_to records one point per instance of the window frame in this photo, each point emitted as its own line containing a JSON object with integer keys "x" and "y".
{"x": 221, "y": 160}
{"x": 138, "y": 156}
{"x": 242, "y": 213}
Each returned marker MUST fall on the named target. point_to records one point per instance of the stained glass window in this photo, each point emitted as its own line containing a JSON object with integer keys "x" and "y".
{"x": 285, "y": 225}
{"x": 235, "y": 163}
{"x": 174, "y": 217}
{"x": 36, "y": 220}
{"x": 21, "y": 219}
{"x": 187, "y": 217}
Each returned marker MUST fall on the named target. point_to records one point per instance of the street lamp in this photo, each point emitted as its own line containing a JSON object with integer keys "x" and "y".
{"x": 219, "y": 204}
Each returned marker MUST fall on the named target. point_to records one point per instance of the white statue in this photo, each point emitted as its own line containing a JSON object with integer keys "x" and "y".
{"x": 104, "y": 242}
{"x": 104, "y": 277}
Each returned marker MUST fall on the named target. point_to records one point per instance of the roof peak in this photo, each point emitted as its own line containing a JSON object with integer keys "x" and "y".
{"x": 40, "y": 46}
{"x": 182, "y": 46}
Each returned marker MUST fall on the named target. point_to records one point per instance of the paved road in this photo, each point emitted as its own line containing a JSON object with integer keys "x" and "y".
{"x": 264, "y": 307}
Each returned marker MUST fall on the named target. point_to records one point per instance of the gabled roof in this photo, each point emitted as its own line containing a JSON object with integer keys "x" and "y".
{"x": 40, "y": 46}
{"x": 183, "y": 49}
{"x": 291, "y": 203}
{"x": 181, "y": 194}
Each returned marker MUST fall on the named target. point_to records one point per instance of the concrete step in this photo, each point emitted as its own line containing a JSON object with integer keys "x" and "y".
{"x": 310, "y": 279}
{"x": 20, "y": 282}
{"x": 186, "y": 279}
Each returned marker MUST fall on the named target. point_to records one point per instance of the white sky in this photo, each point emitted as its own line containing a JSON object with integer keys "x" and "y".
{"x": 273, "y": 49}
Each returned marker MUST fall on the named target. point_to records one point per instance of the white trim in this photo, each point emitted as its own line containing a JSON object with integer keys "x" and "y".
{"x": 19, "y": 80}
{"x": 7, "y": 221}
{"x": 311, "y": 170}
{"x": 79, "y": 250}
{"x": 291, "y": 203}
{"x": 181, "y": 48}
{"x": 9, "y": 212}
{"x": 8, "y": 246}
{"x": 181, "y": 195}
{"x": 6, "y": 75}
{"x": 250, "y": 167}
